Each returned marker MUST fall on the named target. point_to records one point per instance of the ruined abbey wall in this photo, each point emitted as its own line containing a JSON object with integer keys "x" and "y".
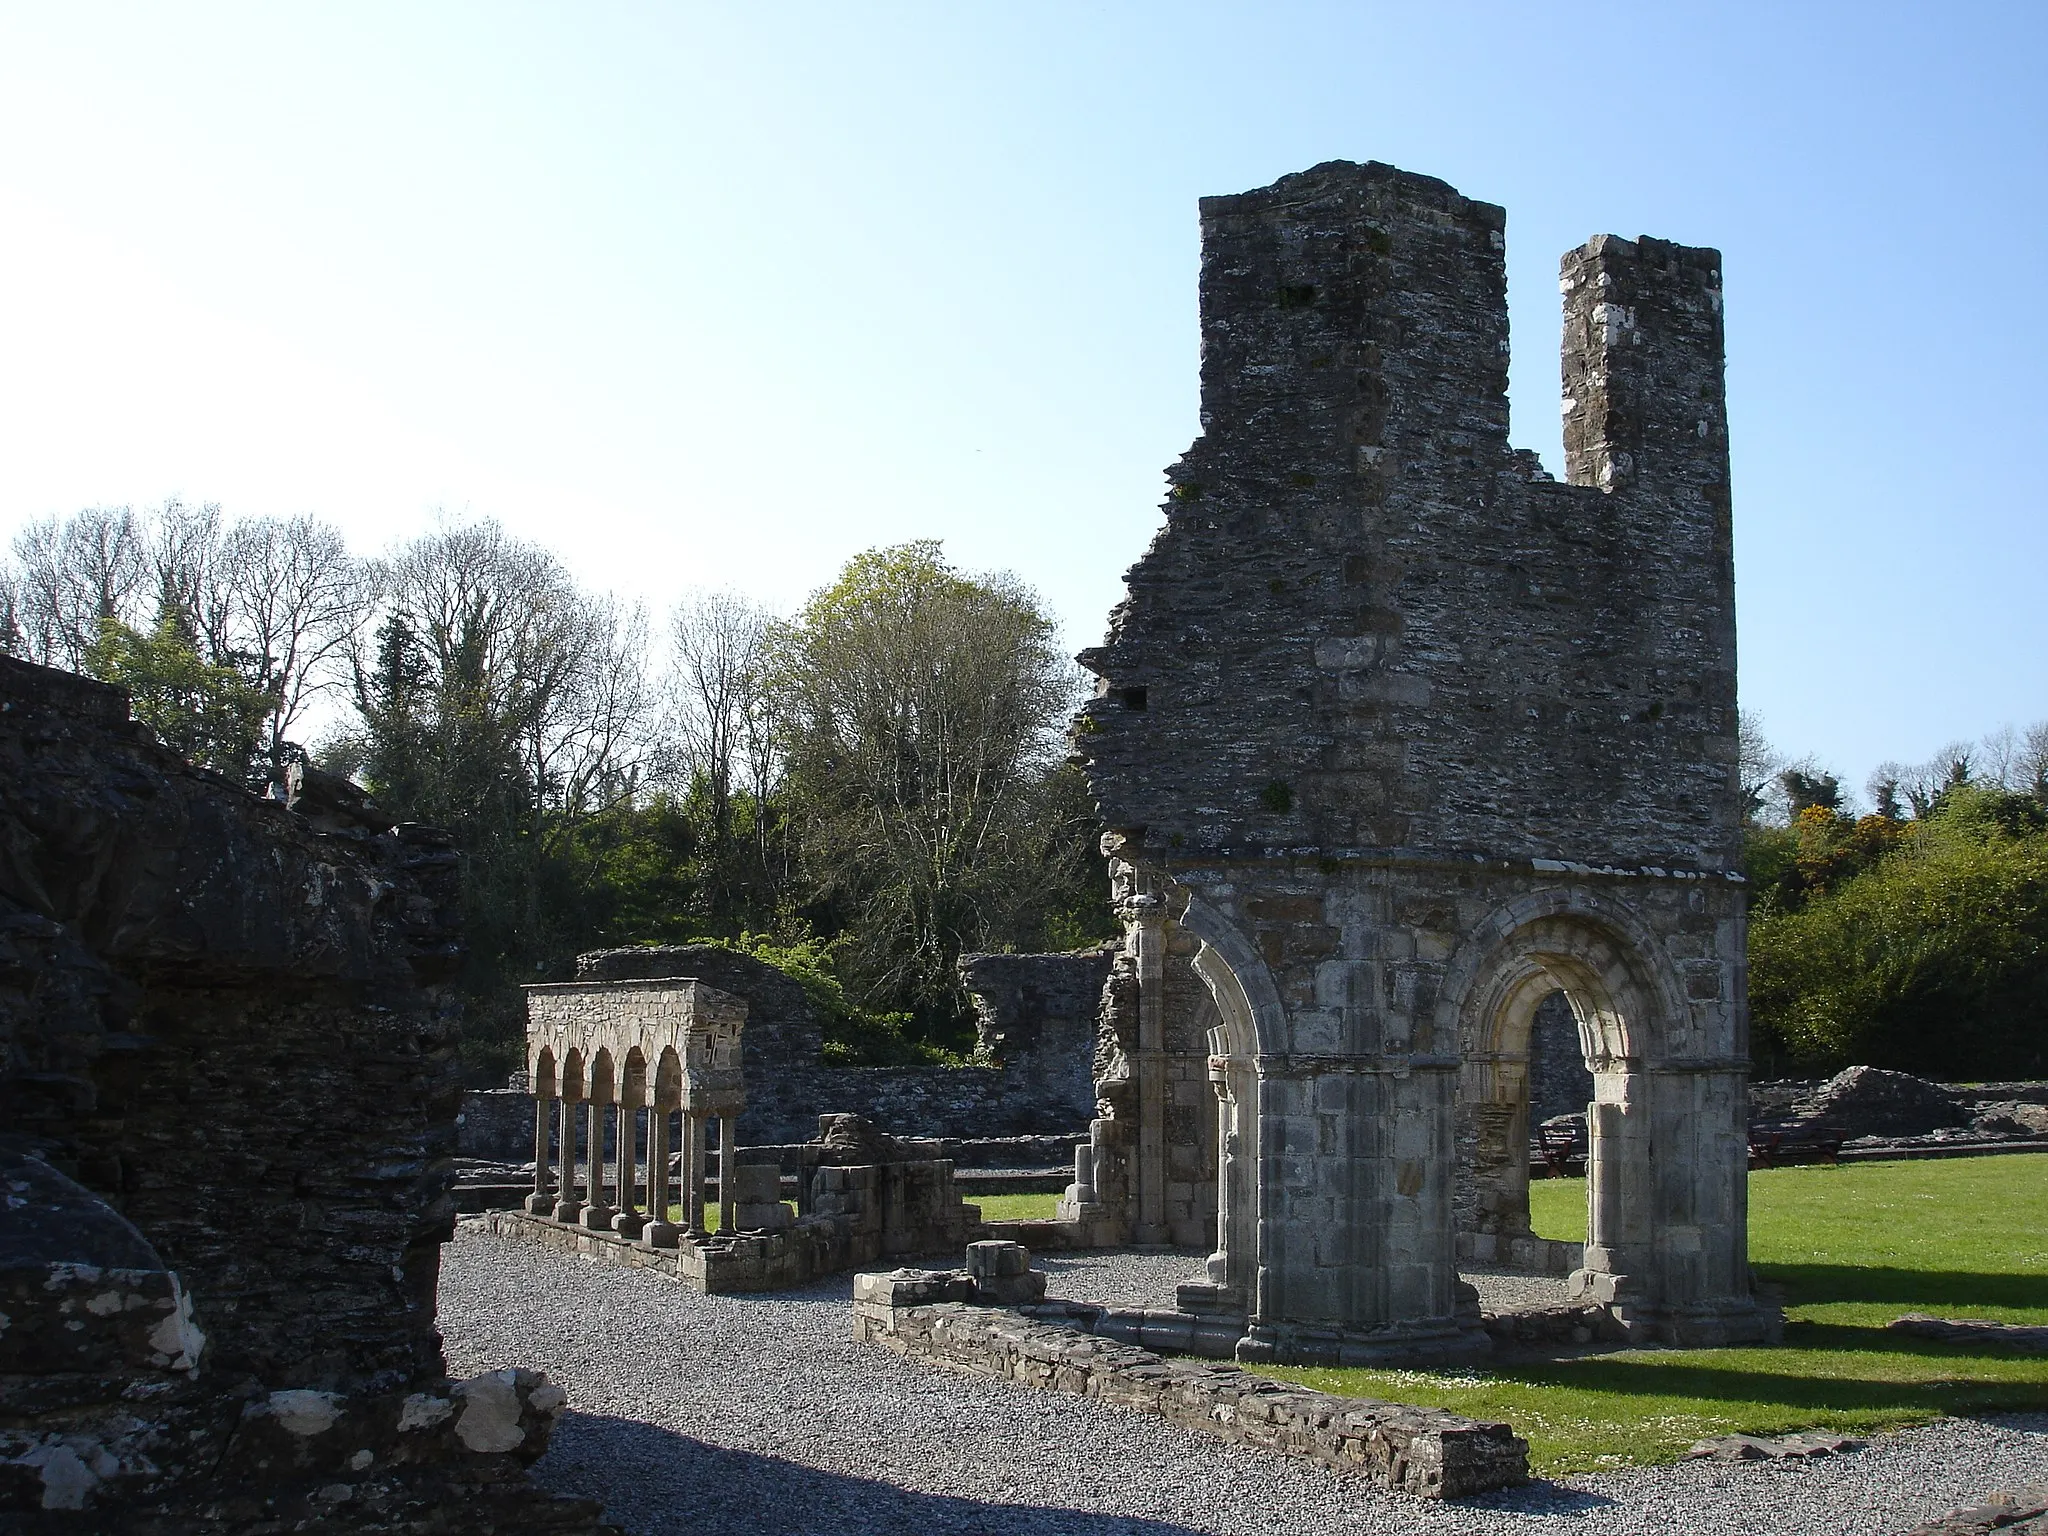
{"x": 1371, "y": 624}
{"x": 227, "y": 1105}
{"x": 1408, "y": 736}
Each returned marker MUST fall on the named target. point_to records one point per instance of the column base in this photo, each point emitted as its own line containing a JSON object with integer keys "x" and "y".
{"x": 1449, "y": 1342}
{"x": 598, "y": 1218}
{"x": 1715, "y": 1323}
{"x": 540, "y": 1203}
{"x": 658, "y": 1234}
{"x": 1207, "y": 1297}
{"x": 630, "y": 1222}
{"x": 566, "y": 1211}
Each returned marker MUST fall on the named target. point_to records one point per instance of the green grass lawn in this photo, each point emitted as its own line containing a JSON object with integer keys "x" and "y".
{"x": 675, "y": 1214}
{"x": 1015, "y": 1207}
{"x": 1853, "y": 1247}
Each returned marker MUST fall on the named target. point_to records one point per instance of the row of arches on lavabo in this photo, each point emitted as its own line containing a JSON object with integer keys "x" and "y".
{"x": 632, "y": 1120}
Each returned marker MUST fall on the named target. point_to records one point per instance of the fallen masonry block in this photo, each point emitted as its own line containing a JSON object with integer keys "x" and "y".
{"x": 1977, "y": 1331}
{"x": 1422, "y": 1451}
{"x": 1770, "y": 1447}
{"x": 2017, "y": 1510}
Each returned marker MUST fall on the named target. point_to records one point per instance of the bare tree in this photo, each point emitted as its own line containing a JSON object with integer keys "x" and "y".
{"x": 590, "y": 746}
{"x": 718, "y": 641}
{"x": 1922, "y": 784}
{"x": 525, "y": 674}
{"x": 1999, "y": 754}
{"x": 190, "y": 577}
{"x": 73, "y": 575}
{"x": 1759, "y": 763}
{"x": 2031, "y": 767}
{"x": 290, "y": 601}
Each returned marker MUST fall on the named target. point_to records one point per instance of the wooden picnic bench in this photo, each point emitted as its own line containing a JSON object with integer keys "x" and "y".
{"x": 1782, "y": 1143}
{"x": 1563, "y": 1149}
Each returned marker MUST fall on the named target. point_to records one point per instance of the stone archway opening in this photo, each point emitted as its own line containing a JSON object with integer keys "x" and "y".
{"x": 1230, "y": 1274}
{"x": 1552, "y": 1022}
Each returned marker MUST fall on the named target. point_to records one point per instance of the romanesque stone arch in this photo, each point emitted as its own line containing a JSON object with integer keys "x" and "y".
{"x": 1568, "y": 939}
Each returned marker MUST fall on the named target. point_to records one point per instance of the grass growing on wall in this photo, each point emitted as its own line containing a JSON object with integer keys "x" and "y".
{"x": 1853, "y": 1247}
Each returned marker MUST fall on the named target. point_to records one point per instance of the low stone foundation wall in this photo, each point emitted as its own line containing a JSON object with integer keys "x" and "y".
{"x": 1053, "y": 1236}
{"x": 1548, "y": 1330}
{"x": 717, "y": 1265}
{"x": 1542, "y": 1332}
{"x": 1422, "y": 1451}
{"x": 855, "y": 1214}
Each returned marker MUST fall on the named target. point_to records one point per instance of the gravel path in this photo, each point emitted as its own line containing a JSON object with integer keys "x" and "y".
{"x": 759, "y": 1416}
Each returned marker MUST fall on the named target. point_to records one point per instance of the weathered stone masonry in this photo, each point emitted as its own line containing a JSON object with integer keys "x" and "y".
{"x": 1401, "y": 736}
{"x": 227, "y": 1098}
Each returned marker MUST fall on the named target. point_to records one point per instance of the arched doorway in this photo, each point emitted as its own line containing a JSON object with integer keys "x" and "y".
{"x": 1562, "y": 947}
{"x": 1230, "y": 1273}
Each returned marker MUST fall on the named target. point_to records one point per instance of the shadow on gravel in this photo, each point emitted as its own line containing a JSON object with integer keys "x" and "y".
{"x": 654, "y": 1481}
{"x": 1538, "y": 1498}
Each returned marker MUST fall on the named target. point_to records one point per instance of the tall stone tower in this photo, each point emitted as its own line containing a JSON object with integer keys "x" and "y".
{"x": 1396, "y": 736}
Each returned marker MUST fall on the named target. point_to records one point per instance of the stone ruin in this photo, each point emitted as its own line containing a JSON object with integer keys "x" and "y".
{"x": 1395, "y": 737}
{"x": 227, "y": 1103}
{"x": 642, "y": 1063}
{"x": 634, "y": 1055}
{"x": 1035, "y": 1018}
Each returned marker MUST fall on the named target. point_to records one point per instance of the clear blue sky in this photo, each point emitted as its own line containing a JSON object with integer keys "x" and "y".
{"x": 719, "y": 295}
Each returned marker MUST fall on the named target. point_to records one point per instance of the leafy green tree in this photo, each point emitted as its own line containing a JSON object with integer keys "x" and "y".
{"x": 1925, "y": 950}
{"x": 211, "y": 714}
{"x": 923, "y": 713}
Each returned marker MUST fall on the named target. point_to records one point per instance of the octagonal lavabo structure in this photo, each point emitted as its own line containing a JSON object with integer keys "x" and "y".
{"x": 1396, "y": 736}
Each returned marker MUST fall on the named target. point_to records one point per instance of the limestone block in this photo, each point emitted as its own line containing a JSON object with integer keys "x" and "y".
{"x": 912, "y": 1287}
{"x": 756, "y": 1183}
{"x": 762, "y": 1216}
{"x": 991, "y": 1259}
{"x": 1010, "y": 1290}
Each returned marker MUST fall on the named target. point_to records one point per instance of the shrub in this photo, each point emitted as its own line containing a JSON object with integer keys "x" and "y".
{"x": 1932, "y": 959}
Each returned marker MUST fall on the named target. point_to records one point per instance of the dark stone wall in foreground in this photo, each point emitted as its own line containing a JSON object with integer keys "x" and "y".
{"x": 227, "y": 1105}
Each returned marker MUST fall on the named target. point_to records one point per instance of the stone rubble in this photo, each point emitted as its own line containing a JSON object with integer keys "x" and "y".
{"x": 2019, "y": 1512}
{"x": 1796, "y": 1447}
{"x": 1976, "y": 1332}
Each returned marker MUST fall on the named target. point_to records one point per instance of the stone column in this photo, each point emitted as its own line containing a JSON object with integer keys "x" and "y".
{"x": 630, "y": 1218}
{"x": 597, "y": 1216}
{"x": 542, "y": 1201}
{"x": 1618, "y": 1181}
{"x": 1082, "y": 1190}
{"x": 567, "y": 1206}
{"x": 693, "y": 1172}
{"x": 1218, "y": 1266}
{"x": 728, "y": 1160}
{"x": 1149, "y": 923}
{"x": 659, "y": 1232}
